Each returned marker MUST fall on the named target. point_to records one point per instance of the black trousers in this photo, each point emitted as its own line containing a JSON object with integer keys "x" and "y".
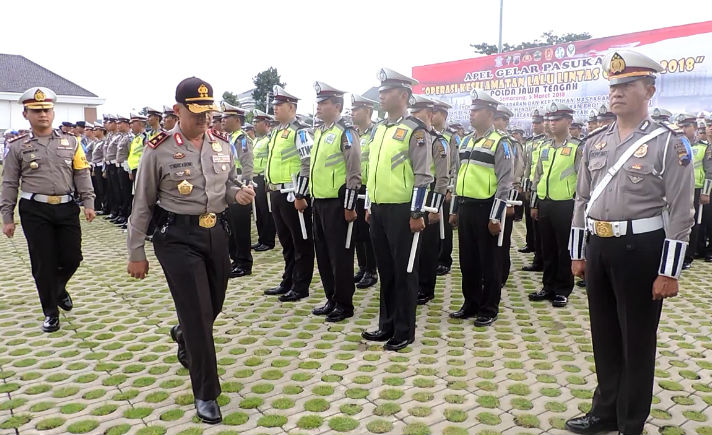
{"x": 704, "y": 240}
{"x": 98, "y": 182}
{"x": 362, "y": 239}
{"x": 429, "y": 253}
{"x": 240, "y": 241}
{"x": 196, "y": 264}
{"x": 114, "y": 189}
{"x": 624, "y": 322}
{"x": 392, "y": 239}
{"x": 506, "y": 261}
{"x": 298, "y": 253}
{"x": 125, "y": 192}
{"x": 264, "y": 221}
{"x": 696, "y": 229}
{"x": 480, "y": 263}
{"x": 445, "y": 257}
{"x": 554, "y": 227}
{"x": 529, "y": 222}
{"x": 54, "y": 240}
{"x": 334, "y": 261}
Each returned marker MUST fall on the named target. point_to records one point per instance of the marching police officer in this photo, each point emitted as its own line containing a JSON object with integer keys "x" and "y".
{"x": 482, "y": 186}
{"x": 335, "y": 179}
{"x": 398, "y": 177}
{"x": 553, "y": 204}
{"x": 51, "y": 166}
{"x": 287, "y": 176}
{"x": 531, "y": 152}
{"x": 264, "y": 221}
{"x": 630, "y": 173}
{"x": 186, "y": 181}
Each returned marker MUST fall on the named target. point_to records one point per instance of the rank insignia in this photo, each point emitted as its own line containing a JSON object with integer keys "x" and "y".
{"x": 285, "y": 133}
{"x": 184, "y": 187}
{"x": 216, "y": 147}
{"x": 400, "y": 134}
{"x": 488, "y": 143}
{"x": 641, "y": 151}
{"x": 636, "y": 166}
{"x": 566, "y": 151}
{"x": 178, "y": 155}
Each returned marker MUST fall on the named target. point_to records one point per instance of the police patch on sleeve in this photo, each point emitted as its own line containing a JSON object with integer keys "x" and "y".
{"x": 419, "y": 137}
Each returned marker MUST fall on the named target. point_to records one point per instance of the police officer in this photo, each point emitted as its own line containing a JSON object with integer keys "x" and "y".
{"x": 553, "y": 205}
{"x": 154, "y": 122}
{"x": 605, "y": 117}
{"x": 249, "y": 129}
{"x": 51, "y": 166}
{"x": 398, "y": 177}
{"x": 138, "y": 143}
{"x": 633, "y": 257}
{"x": 217, "y": 125}
{"x": 110, "y": 170}
{"x": 97, "y": 166}
{"x": 123, "y": 144}
{"x": 705, "y": 239}
{"x": 531, "y": 152}
{"x": 367, "y": 275}
{"x": 335, "y": 179}
{"x": 239, "y": 215}
{"x": 287, "y": 176}
{"x": 186, "y": 181}
{"x": 575, "y": 129}
{"x": 265, "y": 223}
{"x": 659, "y": 114}
{"x": 169, "y": 118}
{"x": 482, "y": 186}
{"x": 592, "y": 123}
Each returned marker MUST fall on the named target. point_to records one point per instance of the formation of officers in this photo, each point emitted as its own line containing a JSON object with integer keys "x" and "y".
{"x": 392, "y": 192}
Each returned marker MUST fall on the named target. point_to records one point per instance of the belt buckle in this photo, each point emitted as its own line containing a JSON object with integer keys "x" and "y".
{"x": 54, "y": 200}
{"x": 603, "y": 229}
{"x": 207, "y": 220}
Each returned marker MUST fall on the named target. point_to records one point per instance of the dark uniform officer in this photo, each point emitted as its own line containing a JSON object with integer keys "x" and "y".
{"x": 482, "y": 186}
{"x": 335, "y": 175}
{"x": 553, "y": 205}
{"x": 633, "y": 255}
{"x": 531, "y": 155}
{"x": 287, "y": 176}
{"x": 186, "y": 181}
{"x": 264, "y": 221}
{"x": 398, "y": 177}
{"x": 51, "y": 167}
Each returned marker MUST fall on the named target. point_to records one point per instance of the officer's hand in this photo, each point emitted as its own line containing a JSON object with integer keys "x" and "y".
{"x": 245, "y": 195}
{"x": 417, "y": 225}
{"x": 448, "y": 196}
{"x": 453, "y": 220}
{"x": 131, "y": 176}
{"x": 300, "y": 204}
{"x": 535, "y": 213}
{"x": 90, "y": 214}
{"x": 494, "y": 228}
{"x": 9, "y": 229}
{"x": 104, "y": 174}
{"x": 664, "y": 287}
{"x": 510, "y": 211}
{"x": 578, "y": 268}
{"x": 433, "y": 218}
{"x": 368, "y": 217}
{"x": 138, "y": 269}
{"x": 350, "y": 215}
{"x": 704, "y": 199}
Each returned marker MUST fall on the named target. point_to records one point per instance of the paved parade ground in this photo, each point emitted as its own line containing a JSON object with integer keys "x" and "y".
{"x": 112, "y": 367}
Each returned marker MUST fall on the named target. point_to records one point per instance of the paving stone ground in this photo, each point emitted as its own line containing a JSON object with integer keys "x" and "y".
{"x": 112, "y": 368}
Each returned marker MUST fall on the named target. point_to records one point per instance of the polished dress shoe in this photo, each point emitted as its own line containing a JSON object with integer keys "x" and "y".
{"x": 255, "y": 245}
{"x": 359, "y": 275}
{"x": 50, "y": 324}
{"x": 395, "y": 345}
{"x": 325, "y": 309}
{"x": 559, "y": 301}
{"x": 377, "y": 335}
{"x": 120, "y": 221}
{"x": 463, "y": 313}
{"x": 293, "y": 296}
{"x": 100, "y": 213}
{"x": 484, "y": 320}
{"x": 110, "y": 216}
{"x": 442, "y": 270}
{"x": 581, "y": 283}
{"x": 424, "y": 298}
{"x": 541, "y": 295}
{"x": 65, "y": 302}
{"x": 339, "y": 314}
{"x": 368, "y": 280}
{"x": 263, "y": 248}
{"x": 208, "y": 411}
{"x": 279, "y": 290}
{"x": 114, "y": 219}
{"x": 590, "y": 424}
{"x": 239, "y": 271}
{"x": 177, "y": 336}
{"x": 686, "y": 265}
{"x": 124, "y": 226}
{"x": 525, "y": 250}
{"x": 533, "y": 268}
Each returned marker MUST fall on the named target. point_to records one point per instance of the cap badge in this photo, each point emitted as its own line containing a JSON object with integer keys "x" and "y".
{"x": 617, "y": 64}
{"x": 39, "y": 95}
{"x": 317, "y": 88}
{"x": 382, "y": 76}
{"x": 203, "y": 91}
{"x": 553, "y": 107}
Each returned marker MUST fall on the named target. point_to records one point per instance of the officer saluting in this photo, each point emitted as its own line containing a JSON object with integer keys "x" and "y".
{"x": 51, "y": 166}
{"x": 631, "y": 173}
{"x": 186, "y": 182}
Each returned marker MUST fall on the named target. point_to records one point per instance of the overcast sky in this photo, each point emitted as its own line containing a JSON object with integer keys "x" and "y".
{"x": 133, "y": 53}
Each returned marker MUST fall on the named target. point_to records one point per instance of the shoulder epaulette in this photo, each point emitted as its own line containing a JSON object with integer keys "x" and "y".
{"x": 158, "y": 139}
{"x": 297, "y": 125}
{"x": 672, "y": 127}
{"x": 18, "y": 138}
{"x": 575, "y": 140}
{"x": 595, "y": 132}
{"x": 414, "y": 123}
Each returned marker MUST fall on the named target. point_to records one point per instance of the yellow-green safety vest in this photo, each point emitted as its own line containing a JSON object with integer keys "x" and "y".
{"x": 365, "y": 140}
{"x": 698, "y": 155}
{"x": 238, "y": 139}
{"x": 558, "y": 176}
{"x": 283, "y": 159}
{"x": 476, "y": 177}
{"x": 261, "y": 153}
{"x": 390, "y": 174}
{"x": 327, "y": 167}
{"x": 136, "y": 150}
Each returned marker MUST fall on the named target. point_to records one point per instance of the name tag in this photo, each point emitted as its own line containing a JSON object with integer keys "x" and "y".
{"x": 60, "y": 147}
{"x": 221, "y": 158}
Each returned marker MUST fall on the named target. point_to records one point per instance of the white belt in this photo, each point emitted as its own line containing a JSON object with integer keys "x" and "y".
{"x": 47, "y": 199}
{"x": 113, "y": 162}
{"x": 620, "y": 228}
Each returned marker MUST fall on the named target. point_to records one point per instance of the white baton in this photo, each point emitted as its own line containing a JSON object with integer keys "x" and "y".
{"x": 413, "y": 250}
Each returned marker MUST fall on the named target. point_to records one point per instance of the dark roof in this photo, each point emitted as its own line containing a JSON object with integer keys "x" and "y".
{"x": 17, "y": 74}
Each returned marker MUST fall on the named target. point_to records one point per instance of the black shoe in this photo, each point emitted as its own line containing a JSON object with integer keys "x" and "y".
{"x": 559, "y": 301}
{"x": 208, "y": 411}
{"x": 424, "y": 299}
{"x": 338, "y": 314}
{"x": 66, "y": 303}
{"x": 463, "y": 313}
{"x": 396, "y": 345}
{"x": 177, "y": 336}
{"x": 686, "y": 265}
{"x": 484, "y": 320}
{"x": 708, "y": 258}
{"x": 541, "y": 295}
{"x": 377, "y": 335}
{"x": 369, "y": 279}
{"x": 114, "y": 219}
{"x": 100, "y": 213}
{"x": 50, "y": 324}
{"x": 123, "y": 226}
{"x": 581, "y": 283}
{"x": 442, "y": 270}
{"x": 255, "y": 245}
{"x": 239, "y": 271}
{"x": 293, "y": 296}
{"x": 263, "y": 248}
{"x": 525, "y": 250}
{"x": 279, "y": 290}
{"x": 325, "y": 309}
{"x": 110, "y": 216}
{"x": 359, "y": 275}
{"x": 533, "y": 268}
{"x": 589, "y": 424}
{"x": 149, "y": 238}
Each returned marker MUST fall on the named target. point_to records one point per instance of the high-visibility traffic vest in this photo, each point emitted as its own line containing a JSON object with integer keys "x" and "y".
{"x": 136, "y": 150}
{"x": 261, "y": 152}
{"x": 390, "y": 174}
{"x": 283, "y": 159}
{"x": 327, "y": 167}
{"x": 476, "y": 177}
{"x": 238, "y": 138}
{"x": 698, "y": 155}
{"x": 558, "y": 176}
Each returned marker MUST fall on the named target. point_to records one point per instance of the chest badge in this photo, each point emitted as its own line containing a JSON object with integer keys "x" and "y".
{"x": 63, "y": 142}
{"x": 216, "y": 147}
{"x": 34, "y": 165}
{"x": 600, "y": 145}
{"x": 635, "y": 179}
{"x": 178, "y": 155}
{"x": 641, "y": 151}
{"x": 184, "y": 187}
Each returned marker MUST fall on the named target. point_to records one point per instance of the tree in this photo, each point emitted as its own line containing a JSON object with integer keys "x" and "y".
{"x": 264, "y": 82}
{"x": 230, "y": 98}
{"x": 546, "y": 38}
